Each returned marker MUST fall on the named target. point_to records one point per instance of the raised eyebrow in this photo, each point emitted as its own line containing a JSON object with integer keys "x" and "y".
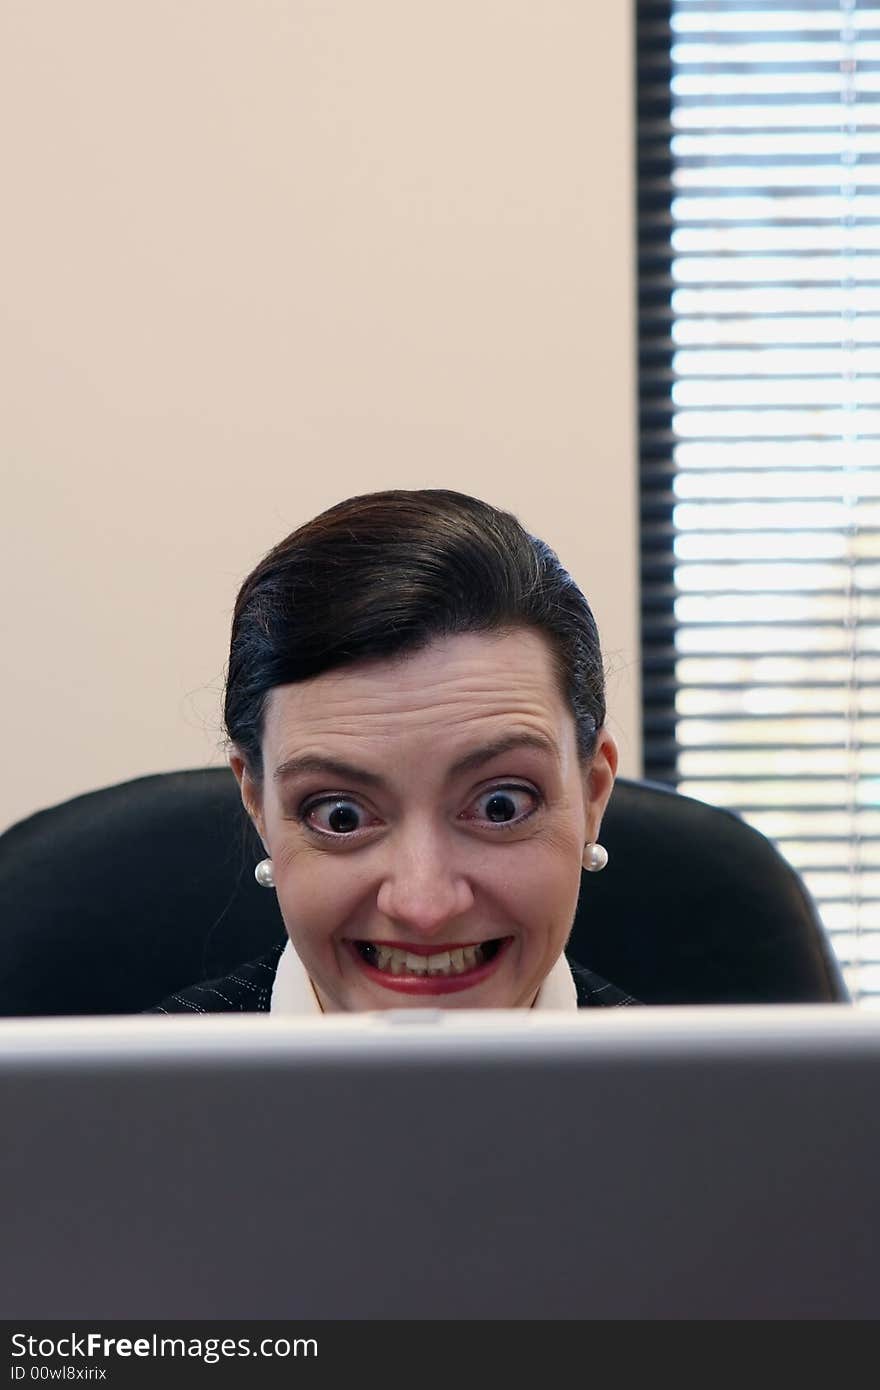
{"x": 312, "y": 762}
{"x": 333, "y": 767}
{"x": 508, "y": 743}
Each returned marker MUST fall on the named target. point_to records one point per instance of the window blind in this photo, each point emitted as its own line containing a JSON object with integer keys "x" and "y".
{"x": 759, "y": 367}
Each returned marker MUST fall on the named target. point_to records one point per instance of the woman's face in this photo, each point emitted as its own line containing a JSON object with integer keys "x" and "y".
{"x": 426, "y": 818}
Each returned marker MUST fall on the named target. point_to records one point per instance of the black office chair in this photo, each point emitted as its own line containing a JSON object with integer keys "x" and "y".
{"x": 117, "y": 898}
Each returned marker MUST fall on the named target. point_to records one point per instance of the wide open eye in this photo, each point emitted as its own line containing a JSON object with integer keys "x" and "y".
{"x": 334, "y": 815}
{"x": 504, "y": 806}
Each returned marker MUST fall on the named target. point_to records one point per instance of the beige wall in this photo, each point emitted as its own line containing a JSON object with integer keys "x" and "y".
{"x": 260, "y": 256}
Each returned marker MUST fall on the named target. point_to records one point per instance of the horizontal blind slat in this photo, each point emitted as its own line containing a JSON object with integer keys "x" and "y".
{"x": 759, "y": 426}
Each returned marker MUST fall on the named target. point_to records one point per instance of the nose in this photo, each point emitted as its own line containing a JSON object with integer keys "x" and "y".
{"x": 422, "y": 891}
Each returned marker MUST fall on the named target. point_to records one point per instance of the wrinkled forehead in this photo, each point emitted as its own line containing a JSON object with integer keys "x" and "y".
{"x": 459, "y": 690}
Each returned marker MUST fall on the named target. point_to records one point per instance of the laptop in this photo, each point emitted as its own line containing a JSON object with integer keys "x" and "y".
{"x": 672, "y": 1162}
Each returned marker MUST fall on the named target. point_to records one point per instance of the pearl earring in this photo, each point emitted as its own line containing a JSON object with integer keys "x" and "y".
{"x": 264, "y": 875}
{"x": 595, "y": 857}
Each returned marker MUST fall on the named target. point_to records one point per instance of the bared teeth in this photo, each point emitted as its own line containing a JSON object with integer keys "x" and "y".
{"x": 396, "y": 961}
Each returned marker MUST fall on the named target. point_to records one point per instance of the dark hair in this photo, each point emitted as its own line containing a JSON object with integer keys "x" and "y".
{"x": 385, "y": 574}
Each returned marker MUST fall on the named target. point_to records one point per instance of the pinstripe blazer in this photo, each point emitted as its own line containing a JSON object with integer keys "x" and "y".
{"x": 248, "y": 989}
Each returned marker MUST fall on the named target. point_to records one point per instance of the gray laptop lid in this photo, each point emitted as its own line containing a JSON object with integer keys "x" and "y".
{"x": 652, "y": 1163}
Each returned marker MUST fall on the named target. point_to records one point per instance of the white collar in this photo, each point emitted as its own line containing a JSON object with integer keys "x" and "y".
{"x": 294, "y": 993}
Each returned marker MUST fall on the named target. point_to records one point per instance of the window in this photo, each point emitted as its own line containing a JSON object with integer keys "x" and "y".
{"x": 759, "y": 325}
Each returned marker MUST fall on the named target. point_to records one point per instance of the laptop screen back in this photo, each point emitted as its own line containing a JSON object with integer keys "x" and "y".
{"x": 659, "y": 1163}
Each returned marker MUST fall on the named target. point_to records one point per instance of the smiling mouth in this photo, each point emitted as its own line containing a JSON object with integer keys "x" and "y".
{"x": 397, "y": 960}
{"x": 439, "y": 972}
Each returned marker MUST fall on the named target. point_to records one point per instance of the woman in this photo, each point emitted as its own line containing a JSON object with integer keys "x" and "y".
{"x": 416, "y": 713}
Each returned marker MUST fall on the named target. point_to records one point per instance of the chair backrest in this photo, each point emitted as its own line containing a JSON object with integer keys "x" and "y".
{"x": 114, "y": 899}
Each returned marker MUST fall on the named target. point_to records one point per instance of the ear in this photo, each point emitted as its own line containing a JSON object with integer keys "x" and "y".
{"x": 251, "y": 792}
{"x": 598, "y": 781}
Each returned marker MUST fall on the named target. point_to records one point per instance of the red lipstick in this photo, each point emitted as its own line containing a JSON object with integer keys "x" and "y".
{"x": 430, "y": 984}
